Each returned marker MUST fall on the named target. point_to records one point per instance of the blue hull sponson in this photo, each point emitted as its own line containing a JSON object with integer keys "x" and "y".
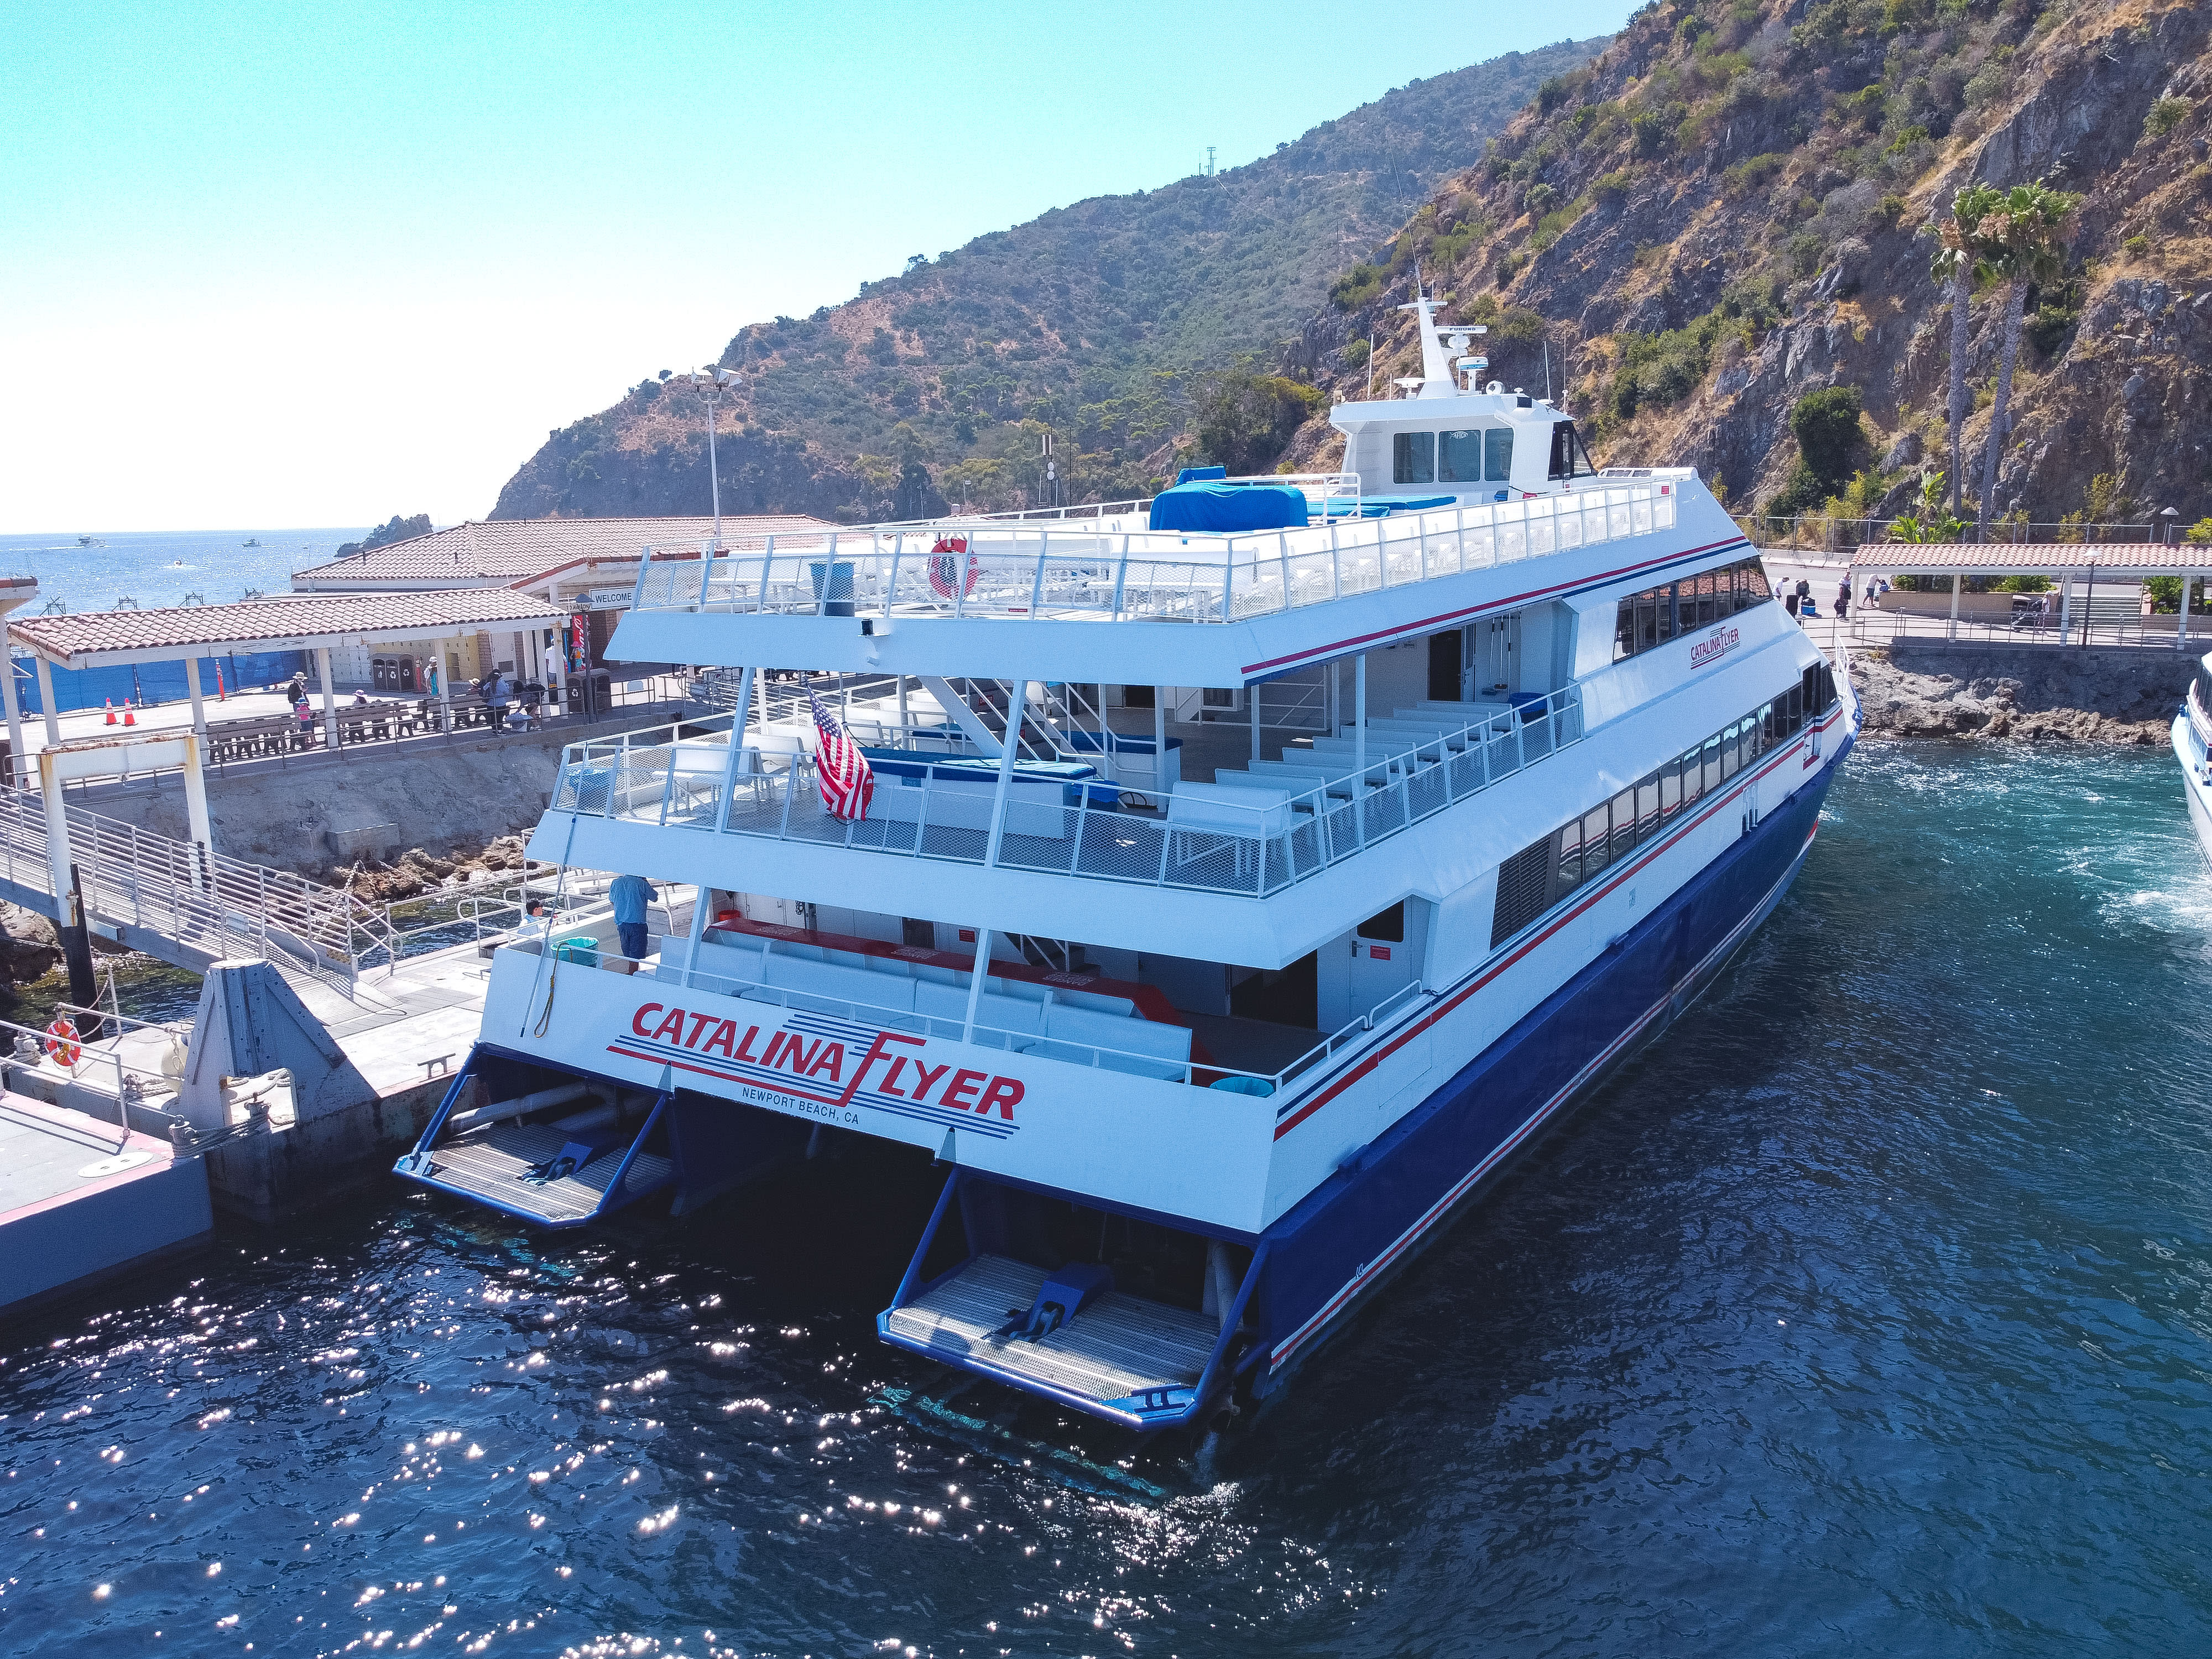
{"x": 689, "y": 1147}
{"x": 1317, "y": 1263}
{"x": 1348, "y": 1235}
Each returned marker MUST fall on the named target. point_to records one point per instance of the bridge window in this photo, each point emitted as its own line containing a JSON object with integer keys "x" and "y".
{"x": 1497, "y": 454}
{"x": 1459, "y": 457}
{"x": 1412, "y": 458}
{"x": 1569, "y": 459}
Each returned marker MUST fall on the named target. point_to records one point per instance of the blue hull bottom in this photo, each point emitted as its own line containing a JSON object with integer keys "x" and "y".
{"x": 1323, "y": 1258}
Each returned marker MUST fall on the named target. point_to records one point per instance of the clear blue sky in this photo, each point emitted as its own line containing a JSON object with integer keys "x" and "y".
{"x": 317, "y": 264}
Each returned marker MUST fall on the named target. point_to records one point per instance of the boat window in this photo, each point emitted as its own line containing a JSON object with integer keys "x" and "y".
{"x": 1569, "y": 459}
{"x": 1459, "y": 457}
{"x": 1412, "y": 458}
{"x": 1389, "y": 926}
{"x": 1543, "y": 873}
{"x": 1695, "y": 602}
{"x": 1498, "y": 455}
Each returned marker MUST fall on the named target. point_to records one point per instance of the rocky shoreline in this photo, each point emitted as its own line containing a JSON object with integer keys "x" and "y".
{"x": 2029, "y": 694}
{"x": 417, "y": 873}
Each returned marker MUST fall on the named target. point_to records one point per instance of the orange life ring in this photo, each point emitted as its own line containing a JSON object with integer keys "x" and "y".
{"x": 62, "y": 1042}
{"x": 945, "y": 566}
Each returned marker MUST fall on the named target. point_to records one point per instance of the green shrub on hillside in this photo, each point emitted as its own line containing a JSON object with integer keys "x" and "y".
{"x": 2165, "y": 114}
{"x": 1829, "y": 445}
{"x": 1245, "y": 419}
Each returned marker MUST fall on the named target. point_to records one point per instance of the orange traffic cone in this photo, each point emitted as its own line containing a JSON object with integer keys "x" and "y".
{"x": 129, "y": 717}
{"x": 219, "y": 696}
{"x": 111, "y": 711}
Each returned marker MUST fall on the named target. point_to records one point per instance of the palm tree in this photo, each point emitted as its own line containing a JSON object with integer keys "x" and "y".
{"x": 2024, "y": 236}
{"x": 1957, "y": 262}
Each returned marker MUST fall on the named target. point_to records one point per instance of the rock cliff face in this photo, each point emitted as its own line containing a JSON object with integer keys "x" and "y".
{"x": 1736, "y": 205}
{"x": 2033, "y": 694}
{"x": 1093, "y": 320}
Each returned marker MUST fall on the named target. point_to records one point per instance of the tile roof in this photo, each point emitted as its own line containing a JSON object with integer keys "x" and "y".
{"x": 510, "y": 550}
{"x": 2023, "y": 557}
{"x": 282, "y": 622}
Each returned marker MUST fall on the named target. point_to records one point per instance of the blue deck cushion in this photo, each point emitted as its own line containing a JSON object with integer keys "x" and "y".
{"x": 1226, "y": 507}
{"x": 1199, "y": 474}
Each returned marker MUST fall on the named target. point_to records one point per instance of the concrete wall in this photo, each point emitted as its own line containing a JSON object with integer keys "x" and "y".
{"x": 318, "y": 814}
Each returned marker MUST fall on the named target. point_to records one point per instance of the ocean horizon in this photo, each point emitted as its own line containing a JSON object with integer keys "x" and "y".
{"x": 155, "y": 568}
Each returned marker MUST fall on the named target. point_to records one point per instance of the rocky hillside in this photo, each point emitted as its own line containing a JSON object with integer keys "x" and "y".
{"x": 1735, "y": 206}
{"x": 1095, "y": 320}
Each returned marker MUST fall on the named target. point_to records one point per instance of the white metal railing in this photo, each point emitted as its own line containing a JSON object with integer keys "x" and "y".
{"x": 1114, "y": 568}
{"x": 668, "y": 778}
{"x": 1066, "y": 1049}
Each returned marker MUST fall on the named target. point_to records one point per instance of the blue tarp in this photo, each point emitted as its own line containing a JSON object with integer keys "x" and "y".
{"x": 1196, "y": 474}
{"x": 1203, "y": 505}
{"x": 154, "y": 682}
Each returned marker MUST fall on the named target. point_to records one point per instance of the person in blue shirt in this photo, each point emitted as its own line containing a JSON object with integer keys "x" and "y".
{"x": 631, "y": 893}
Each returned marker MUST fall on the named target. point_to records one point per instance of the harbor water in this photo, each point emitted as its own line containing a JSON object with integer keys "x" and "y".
{"x": 166, "y": 566}
{"x": 1868, "y": 1313}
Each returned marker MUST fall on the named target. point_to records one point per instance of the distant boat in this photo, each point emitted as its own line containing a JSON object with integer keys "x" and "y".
{"x": 90, "y": 541}
{"x": 249, "y": 541}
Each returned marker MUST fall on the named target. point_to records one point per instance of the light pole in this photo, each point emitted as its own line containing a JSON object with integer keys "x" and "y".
{"x": 712, "y": 385}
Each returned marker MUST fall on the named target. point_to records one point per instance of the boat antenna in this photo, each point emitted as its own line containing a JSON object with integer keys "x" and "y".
{"x": 1548, "y": 369}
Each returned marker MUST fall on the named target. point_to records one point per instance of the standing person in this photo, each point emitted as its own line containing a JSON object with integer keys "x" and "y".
{"x": 497, "y": 692}
{"x": 304, "y": 712}
{"x": 1873, "y": 596}
{"x": 630, "y": 895}
{"x": 1804, "y": 593}
{"x": 1844, "y": 600}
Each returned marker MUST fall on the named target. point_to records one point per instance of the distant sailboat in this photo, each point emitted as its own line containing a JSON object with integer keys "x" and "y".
{"x": 249, "y": 541}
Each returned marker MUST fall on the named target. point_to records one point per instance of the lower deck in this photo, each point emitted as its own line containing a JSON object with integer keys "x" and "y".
{"x": 1119, "y": 1348}
{"x": 519, "y": 1168}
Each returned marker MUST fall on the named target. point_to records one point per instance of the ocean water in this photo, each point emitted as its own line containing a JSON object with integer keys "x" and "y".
{"x": 1868, "y": 1313}
{"x": 159, "y": 568}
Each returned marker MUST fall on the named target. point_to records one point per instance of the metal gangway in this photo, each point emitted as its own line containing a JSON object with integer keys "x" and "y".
{"x": 189, "y": 907}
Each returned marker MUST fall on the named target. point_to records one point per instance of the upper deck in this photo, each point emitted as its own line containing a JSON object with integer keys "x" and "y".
{"x": 1097, "y": 595}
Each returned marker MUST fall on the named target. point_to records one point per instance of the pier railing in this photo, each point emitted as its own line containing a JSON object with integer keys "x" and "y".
{"x": 1205, "y": 840}
{"x": 1112, "y": 568}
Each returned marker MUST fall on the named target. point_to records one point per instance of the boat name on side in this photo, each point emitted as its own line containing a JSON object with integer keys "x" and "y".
{"x": 807, "y": 1065}
{"x": 1715, "y": 645}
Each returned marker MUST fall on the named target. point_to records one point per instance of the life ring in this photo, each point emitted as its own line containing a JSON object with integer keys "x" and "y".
{"x": 945, "y": 566}
{"x": 62, "y": 1042}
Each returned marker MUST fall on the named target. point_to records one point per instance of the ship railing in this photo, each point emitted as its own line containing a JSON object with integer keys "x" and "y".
{"x": 664, "y": 964}
{"x": 100, "y": 1070}
{"x": 1206, "y": 842}
{"x": 1071, "y": 570}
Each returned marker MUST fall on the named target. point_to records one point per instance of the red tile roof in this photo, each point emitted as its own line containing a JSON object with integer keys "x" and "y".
{"x": 2023, "y": 556}
{"x": 514, "y": 551}
{"x": 284, "y": 621}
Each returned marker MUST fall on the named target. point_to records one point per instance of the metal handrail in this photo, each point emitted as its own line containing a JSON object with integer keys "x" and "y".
{"x": 1110, "y": 570}
{"x": 1213, "y": 845}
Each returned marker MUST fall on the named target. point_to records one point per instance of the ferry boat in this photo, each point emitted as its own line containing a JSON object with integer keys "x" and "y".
{"x": 1240, "y": 879}
{"x": 2192, "y": 747}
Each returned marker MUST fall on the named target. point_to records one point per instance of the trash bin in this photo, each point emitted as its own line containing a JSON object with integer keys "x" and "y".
{"x": 833, "y": 588}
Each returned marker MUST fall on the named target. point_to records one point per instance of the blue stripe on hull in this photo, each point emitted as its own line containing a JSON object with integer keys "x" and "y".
{"x": 1347, "y": 1235}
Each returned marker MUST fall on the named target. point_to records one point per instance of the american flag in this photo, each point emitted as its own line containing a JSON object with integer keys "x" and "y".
{"x": 840, "y": 770}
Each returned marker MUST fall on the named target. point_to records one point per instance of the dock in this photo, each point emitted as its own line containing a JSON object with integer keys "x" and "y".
{"x": 83, "y": 1203}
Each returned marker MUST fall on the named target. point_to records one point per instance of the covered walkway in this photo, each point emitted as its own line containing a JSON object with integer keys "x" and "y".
{"x": 307, "y": 623}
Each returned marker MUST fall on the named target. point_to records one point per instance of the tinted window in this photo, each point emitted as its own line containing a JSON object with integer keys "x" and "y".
{"x": 1389, "y": 925}
{"x": 1459, "y": 457}
{"x": 1497, "y": 454}
{"x": 1412, "y": 458}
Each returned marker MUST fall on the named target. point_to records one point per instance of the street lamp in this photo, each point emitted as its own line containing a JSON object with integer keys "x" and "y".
{"x": 2167, "y": 517}
{"x": 714, "y": 384}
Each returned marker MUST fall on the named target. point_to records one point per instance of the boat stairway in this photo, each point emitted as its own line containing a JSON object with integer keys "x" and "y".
{"x": 1119, "y": 1355}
